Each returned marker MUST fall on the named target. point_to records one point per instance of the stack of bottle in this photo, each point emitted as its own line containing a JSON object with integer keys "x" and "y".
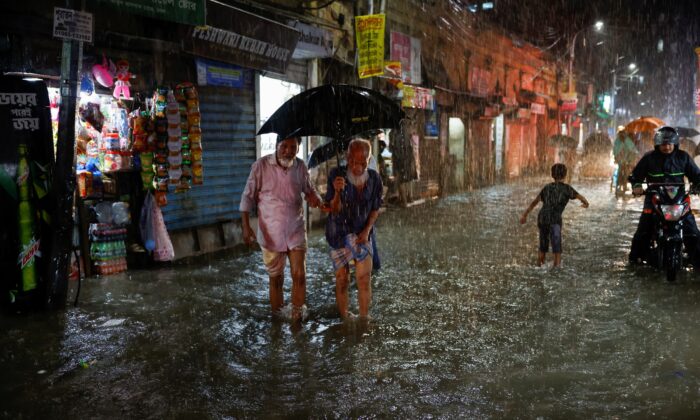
{"x": 107, "y": 248}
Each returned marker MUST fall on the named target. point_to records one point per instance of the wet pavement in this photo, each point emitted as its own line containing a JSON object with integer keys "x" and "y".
{"x": 464, "y": 325}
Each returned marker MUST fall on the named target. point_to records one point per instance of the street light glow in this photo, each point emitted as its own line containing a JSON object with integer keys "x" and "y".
{"x": 599, "y": 25}
{"x": 639, "y": 92}
{"x": 632, "y": 66}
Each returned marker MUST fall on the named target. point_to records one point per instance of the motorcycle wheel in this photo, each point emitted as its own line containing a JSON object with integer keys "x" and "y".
{"x": 672, "y": 261}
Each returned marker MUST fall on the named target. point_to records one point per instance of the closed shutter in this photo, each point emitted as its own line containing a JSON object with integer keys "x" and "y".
{"x": 229, "y": 147}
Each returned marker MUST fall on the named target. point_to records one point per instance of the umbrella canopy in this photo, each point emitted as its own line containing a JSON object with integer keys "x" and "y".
{"x": 644, "y": 124}
{"x": 337, "y": 111}
{"x": 687, "y": 131}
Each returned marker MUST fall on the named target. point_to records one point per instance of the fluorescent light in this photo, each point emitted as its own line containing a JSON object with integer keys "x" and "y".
{"x": 487, "y": 5}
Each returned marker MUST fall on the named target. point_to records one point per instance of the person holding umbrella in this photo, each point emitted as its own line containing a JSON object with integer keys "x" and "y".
{"x": 355, "y": 200}
{"x": 275, "y": 185}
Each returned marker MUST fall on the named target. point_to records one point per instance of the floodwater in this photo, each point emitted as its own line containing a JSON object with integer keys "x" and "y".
{"x": 464, "y": 325}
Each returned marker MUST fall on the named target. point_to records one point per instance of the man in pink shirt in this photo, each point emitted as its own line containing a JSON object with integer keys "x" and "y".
{"x": 275, "y": 185}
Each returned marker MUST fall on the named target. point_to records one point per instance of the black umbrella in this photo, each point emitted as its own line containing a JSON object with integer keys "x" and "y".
{"x": 687, "y": 132}
{"x": 336, "y": 111}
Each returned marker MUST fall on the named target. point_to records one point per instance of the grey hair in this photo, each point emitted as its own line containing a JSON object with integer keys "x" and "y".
{"x": 363, "y": 144}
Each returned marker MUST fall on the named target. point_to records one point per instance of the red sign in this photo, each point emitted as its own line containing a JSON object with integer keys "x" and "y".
{"x": 568, "y": 105}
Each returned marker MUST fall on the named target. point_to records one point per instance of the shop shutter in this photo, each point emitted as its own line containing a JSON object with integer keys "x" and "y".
{"x": 229, "y": 147}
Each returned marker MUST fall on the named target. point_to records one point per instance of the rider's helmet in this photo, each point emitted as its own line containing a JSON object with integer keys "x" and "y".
{"x": 666, "y": 134}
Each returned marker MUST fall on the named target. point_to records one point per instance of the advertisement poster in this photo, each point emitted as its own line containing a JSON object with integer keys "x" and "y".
{"x": 407, "y": 50}
{"x": 369, "y": 33}
{"x": 26, "y": 168}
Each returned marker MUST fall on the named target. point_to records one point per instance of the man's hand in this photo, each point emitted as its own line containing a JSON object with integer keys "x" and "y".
{"x": 363, "y": 237}
{"x": 248, "y": 235}
{"x": 523, "y": 219}
{"x": 314, "y": 201}
{"x": 339, "y": 183}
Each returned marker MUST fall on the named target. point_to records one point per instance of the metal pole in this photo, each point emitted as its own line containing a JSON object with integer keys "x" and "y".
{"x": 64, "y": 177}
{"x": 613, "y": 94}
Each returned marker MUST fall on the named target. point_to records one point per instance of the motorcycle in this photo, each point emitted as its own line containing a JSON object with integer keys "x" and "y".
{"x": 670, "y": 204}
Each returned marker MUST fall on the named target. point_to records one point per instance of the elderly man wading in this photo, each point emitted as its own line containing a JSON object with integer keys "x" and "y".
{"x": 275, "y": 185}
{"x": 355, "y": 200}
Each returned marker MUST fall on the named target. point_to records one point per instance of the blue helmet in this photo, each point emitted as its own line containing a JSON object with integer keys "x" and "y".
{"x": 666, "y": 134}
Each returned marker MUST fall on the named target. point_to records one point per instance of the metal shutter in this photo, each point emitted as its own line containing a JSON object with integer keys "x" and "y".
{"x": 229, "y": 147}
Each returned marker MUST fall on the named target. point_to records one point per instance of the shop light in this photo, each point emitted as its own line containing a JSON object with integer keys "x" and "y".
{"x": 31, "y": 79}
{"x": 599, "y": 25}
{"x": 487, "y": 5}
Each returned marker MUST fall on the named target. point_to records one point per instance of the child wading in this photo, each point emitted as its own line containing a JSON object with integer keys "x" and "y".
{"x": 554, "y": 197}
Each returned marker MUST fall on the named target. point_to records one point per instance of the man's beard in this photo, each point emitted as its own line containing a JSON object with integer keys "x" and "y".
{"x": 358, "y": 181}
{"x": 285, "y": 163}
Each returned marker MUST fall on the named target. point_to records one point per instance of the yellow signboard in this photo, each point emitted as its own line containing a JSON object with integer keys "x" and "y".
{"x": 369, "y": 33}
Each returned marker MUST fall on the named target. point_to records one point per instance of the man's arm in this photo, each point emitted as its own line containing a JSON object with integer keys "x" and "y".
{"x": 364, "y": 235}
{"x": 248, "y": 234}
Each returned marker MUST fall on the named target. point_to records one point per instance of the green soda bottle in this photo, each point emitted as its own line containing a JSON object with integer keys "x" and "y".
{"x": 29, "y": 245}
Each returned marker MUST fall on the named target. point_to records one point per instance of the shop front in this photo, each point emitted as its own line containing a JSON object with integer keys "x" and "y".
{"x": 165, "y": 126}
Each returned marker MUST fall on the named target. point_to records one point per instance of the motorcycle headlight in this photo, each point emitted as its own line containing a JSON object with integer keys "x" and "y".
{"x": 672, "y": 212}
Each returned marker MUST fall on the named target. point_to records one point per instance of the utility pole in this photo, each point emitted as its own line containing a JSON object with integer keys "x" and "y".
{"x": 64, "y": 177}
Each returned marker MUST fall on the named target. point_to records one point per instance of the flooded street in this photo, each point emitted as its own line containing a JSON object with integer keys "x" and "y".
{"x": 463, "y": 325}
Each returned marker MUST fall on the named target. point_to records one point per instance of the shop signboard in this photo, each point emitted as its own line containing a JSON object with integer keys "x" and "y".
{"x": 536, "y": 108}
{"x": 569, "y": 102}
{"x": 392, "y": 69}
{"x": 407, "y": 50}
{"x": 418, "y": 97}
{"x": 212, "y": 73}
{"x": 523, "y": 113}
{"x": 189, "y": 12}
{"x": 72, "y": 24}
{"x": 238, "y": 37}
{"x": 369, "y": 34}
{"x": 479, "y": 81}
{"x": 431, "y": 124}
{"x": 313, "y": 43}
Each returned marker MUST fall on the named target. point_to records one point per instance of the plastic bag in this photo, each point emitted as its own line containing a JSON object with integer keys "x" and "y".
{"x": 163, "y": 246}
{"x": 146, "y": 222}
{"x": 120, "y": 213}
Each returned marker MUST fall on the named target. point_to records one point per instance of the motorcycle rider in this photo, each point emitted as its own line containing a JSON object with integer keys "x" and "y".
{"x": 666, "y": 163}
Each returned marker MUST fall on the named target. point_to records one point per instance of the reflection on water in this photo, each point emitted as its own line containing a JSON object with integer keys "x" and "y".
{"x": 463, "y": 324}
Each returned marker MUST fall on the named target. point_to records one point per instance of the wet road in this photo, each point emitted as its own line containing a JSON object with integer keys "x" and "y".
{"x": 464, "y": 325}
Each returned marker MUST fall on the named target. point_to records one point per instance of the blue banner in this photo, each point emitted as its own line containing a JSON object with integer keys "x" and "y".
{"x": 214, "y": 73}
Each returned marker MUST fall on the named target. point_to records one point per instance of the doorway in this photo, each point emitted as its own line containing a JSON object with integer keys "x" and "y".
{"x": 272, "y": 93}
{"x": 457, "y": 151}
